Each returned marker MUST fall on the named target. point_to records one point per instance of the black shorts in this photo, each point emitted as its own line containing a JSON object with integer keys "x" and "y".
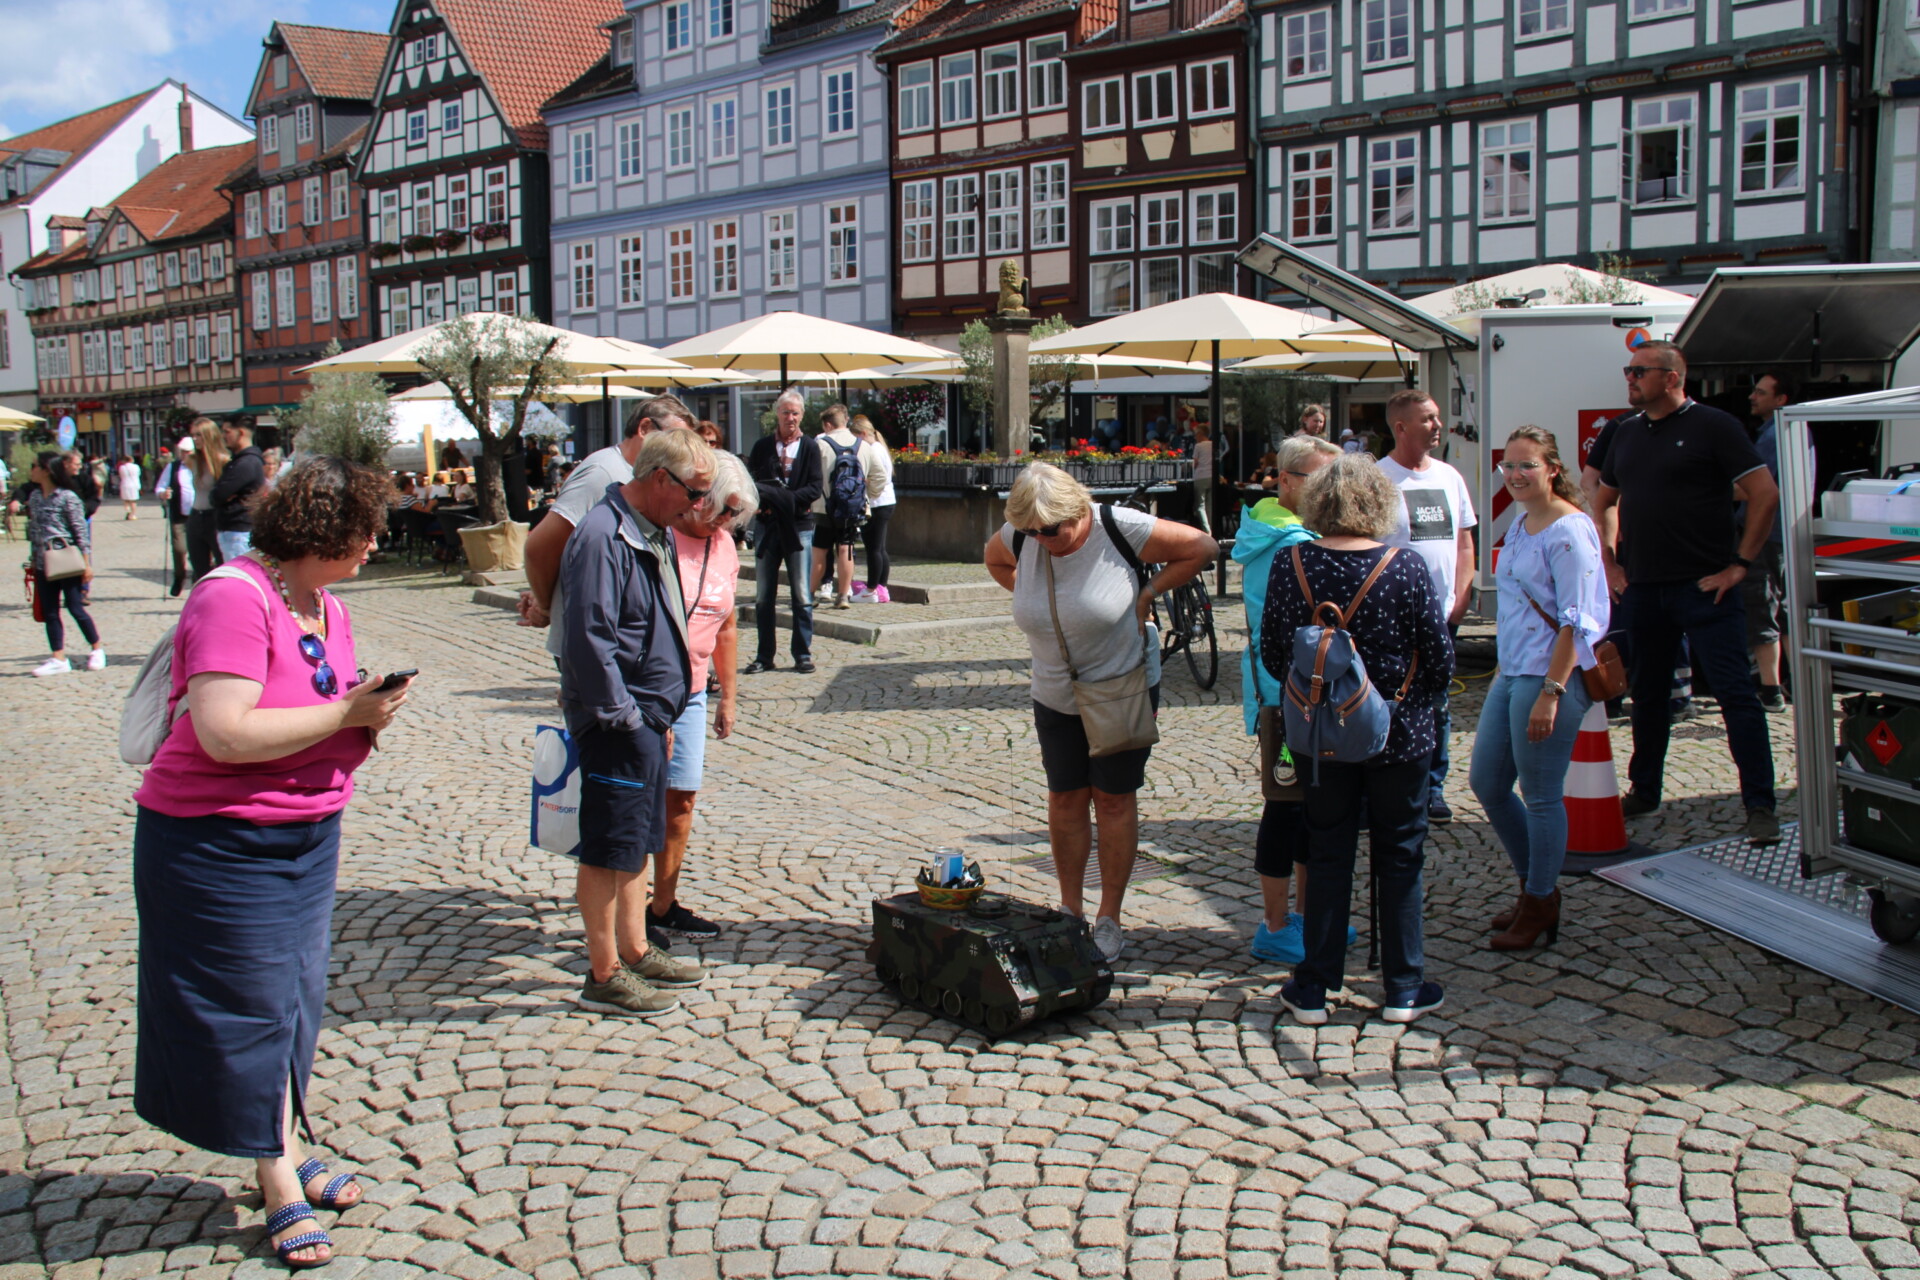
{"x": 828, "y": 532}
{"x": 1764, "y": 592}
{"x": 623, "y": 797}
{"x": 1063, "y": 753}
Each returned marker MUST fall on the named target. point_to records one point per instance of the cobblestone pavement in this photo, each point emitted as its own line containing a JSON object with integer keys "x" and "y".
{"x": 1647, "y": 1098}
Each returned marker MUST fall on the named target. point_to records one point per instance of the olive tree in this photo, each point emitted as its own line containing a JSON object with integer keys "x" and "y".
{"x": 345, "y": 414}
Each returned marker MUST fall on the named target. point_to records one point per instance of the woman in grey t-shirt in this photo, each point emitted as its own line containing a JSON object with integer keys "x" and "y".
{"x": 1103, "y": 611}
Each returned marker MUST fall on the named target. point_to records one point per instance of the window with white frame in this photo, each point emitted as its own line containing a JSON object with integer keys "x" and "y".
{"x": 1773, "y": 126}
{"x": 1103, "y": 105}
{"x": 626, "y": 150}
{"x": 1305, "y": 42}
{"x": 269, "y": 134}
{"x": 250, "y": 214}
{"x": 426, "y": 49}
{"x": 1160, "y": 280}
{"x": 262, "y": 303}
{"x": 416, "y": 128}
{"x": 916, "y": 221}
{"x": 1004, "y": 212}
{"x": 1112, "y": 226}
{"x": 1537, "y": 19}
{"x": 843, "y": 243}
{"x": 149, "y": 273}
{"x": 1046, "y": 73}
{"x": 622, "y": 57}
{"x": 216, "y": 262}
{"x": 916, "y": 97}
{"x": 1156, "y": 97}
{"x": 459, "y": 202}
{"x": 1393, "y": 166}
{"x": 202, "y": 341}
{"x": 506, "y": 294}
{"x": 1506, "y": 171}
{"x": 171, "y": 268}
{"x": 467, "y": 297}
{"x": 630, "y": 266}
{"x": 1047, "y": 193}
{"x": 116, "y": 352}
{"x": 841, "y": 118}
{"x": 346, "y": 287}
{"x": 783, "y": 250}
{"x": 956, "y": 89}
{"x": 181, "y": 339}
{"x": 1110, "y": 288}
{"x": 778, "y": 118}
{"x": 276, "y": 209}
{"x": 194, "y": 273}
{"x": 1645, "y": 9}
{"x": 1160, "y": 221}
{"x": 320, "y": 290}
{"x": 433, "y": 299}
{"x": 283, "y": 297}
{"x": 1386, "y": 32}
{"x": 1000, "y": 82}
{"x": 585, "y": 275}
{"x": 677, "y": 19}
{"x": 223, "y": 337}
{"x": 423, "y": 208}
{"x": 496, "y": 195}
{"x": 311, "y": 195}
{"x": 1216, "y": 216}
{"x": 960, "y": 216}
{"x": 338, "y": 189}
{"x": 723, "y": 256}
{"x": 450, "y": 117}
{"x": 1210, "y": 88}
{"x": 580, "y": 150}
{"x": 679, "y": 138}
{"x": 723, "y": 129}
{"x": 1310, "y": 194}
{"x": 1659, "y": 151}
{"x": 137, "y": 349}
{"x": 128, "y": 282}
{"x": 719, "y": 19}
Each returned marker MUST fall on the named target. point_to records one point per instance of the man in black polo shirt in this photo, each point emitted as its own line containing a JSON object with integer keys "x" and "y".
{"x": 1676, "y": 468}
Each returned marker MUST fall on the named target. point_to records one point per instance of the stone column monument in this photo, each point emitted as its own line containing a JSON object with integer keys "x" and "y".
{"x": 1012, "y": 399}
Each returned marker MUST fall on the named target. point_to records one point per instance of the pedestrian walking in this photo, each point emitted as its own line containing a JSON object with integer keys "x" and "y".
{"x": 1553, "y": 609}
{"x": 84, "y": 479}
{"x": 852, "y": 474}
{"x": 1203, "y": 476}
{"x": 244, "y": 475}
{"x": 1675, "y": 470}
{"x": 873, "y": 534}
{"x": 236, "y": 843}
{"x": 127, "y": 475}
{"x": 625, "y": 678}
{"x": 1399, "y": 632}
{"x": 1079, "y": 600}
{"x": 787, "y": 468}
{"x": 209, "y": 459}
{"x": 61, "y": 558}
{"x": 174, "y": 487}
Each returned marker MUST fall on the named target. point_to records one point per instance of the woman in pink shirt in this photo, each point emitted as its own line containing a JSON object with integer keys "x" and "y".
{"x": 237, "y": 839}
{"x": 709, "y": 579}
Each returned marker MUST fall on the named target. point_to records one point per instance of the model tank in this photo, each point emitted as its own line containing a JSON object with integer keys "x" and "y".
{"x": 995, "y": 965}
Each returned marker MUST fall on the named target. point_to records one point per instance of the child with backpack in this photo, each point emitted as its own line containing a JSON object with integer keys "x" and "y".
{"x": 853, "y": 473}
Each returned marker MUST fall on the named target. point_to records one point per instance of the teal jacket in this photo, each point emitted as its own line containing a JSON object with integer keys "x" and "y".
{"x": 1265, "y": 530}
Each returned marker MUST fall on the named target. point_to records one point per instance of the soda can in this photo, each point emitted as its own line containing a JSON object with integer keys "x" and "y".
{"x": 948, "y": 867}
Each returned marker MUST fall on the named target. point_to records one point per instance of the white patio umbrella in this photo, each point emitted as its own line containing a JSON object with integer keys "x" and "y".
{"x": 587, "y": 354}
{"x": 1081, "y": 368}
{"x": 904, "y": 375}
{"x": 17, "y": 418}
{"x": 789, "y": 341}
{"x": 1337, "y": 366}
{"x": 577, "y": 393}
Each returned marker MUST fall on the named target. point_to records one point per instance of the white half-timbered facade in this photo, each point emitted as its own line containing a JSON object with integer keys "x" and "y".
{"x": 454, "y": 169}
{"x": 1895, "y": 233}
{"x": 1421, "y": 142}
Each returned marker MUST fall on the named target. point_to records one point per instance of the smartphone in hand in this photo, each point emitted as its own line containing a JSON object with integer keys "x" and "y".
{"x": 396, "y": 679}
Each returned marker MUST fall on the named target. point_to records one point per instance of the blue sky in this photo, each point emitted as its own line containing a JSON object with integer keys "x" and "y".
{"x": 68, "y": 56}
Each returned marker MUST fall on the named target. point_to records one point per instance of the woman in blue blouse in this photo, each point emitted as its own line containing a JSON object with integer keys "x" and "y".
{"x": 1549, "y": 568}
{"x": 1351, "y": 504}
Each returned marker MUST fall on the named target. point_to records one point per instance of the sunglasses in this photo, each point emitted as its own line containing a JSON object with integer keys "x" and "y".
{"x": 1045, "y": 531}
{"x": 325, "y": 683}
{"x": 692, "y": 493}
{"x": 1511, "y": 467}
{"x": 1640, "y": 370}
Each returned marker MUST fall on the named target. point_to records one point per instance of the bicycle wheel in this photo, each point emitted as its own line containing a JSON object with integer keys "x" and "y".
{"x": 1198, "y": 630}
{"x": 1174, "y": 634}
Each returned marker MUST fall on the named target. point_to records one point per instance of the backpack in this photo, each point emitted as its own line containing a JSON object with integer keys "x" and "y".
{"x": 1331, "y": 710}
{"x": 847, "y": 484}
{"x": 147, "y": 716}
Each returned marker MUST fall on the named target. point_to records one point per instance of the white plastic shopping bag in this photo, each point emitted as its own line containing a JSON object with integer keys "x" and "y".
{"x": 556, "y": 792}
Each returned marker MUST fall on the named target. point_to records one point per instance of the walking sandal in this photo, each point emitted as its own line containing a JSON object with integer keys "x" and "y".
{"x": 329, "y": 1198}
{"x": 285, "y": 1216}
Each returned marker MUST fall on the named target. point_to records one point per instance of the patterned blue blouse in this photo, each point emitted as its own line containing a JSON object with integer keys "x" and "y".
{"x": 1559, "y": 568}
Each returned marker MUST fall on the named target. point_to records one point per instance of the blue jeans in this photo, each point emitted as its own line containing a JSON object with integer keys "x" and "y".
{"x": 1663, "y": 614}
{"x": 1442, "y": 730}
{"x": 1534, "y": 833}
{"x": 1396, "y": 799}
{"x": 766, "y": 590}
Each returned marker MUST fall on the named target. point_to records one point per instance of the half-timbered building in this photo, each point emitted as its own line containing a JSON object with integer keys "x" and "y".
{"x": 454, "y": 165}
{"x": 1422, "y": 143}
{"x": 301, "y": 237}
{"x": 1895, "y": 125}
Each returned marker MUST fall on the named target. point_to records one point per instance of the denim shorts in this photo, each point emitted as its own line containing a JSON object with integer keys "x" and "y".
{"x": 689, "y": 761}
{"x": 623, "y": 797}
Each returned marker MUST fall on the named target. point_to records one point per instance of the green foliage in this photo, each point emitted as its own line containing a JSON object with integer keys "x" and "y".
{"x": 976, "y": 350}
{"x": 1476, "y": 296}
{"x": 1270, "y": 405}
{"x": 1047, "y": 376}
{"x": 1619, "y": 284}
{"x": 20, "y": 460}
{"x": 345, "y": 414}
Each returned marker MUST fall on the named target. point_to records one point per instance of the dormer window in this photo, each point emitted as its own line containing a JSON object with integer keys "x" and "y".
{"x": 623, "y": 46}
{"x": 95, "y": 228}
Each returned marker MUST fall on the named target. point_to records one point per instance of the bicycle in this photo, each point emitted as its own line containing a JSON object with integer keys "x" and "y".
{"x": 1189, "y": 617}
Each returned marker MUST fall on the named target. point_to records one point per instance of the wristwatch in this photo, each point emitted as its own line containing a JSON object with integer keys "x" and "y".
{"x": 1742, "y": 561}
{"x": 1552, "y": 686}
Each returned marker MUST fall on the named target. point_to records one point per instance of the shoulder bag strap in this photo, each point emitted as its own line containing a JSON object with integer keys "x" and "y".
{"x": 1053, "y": 607}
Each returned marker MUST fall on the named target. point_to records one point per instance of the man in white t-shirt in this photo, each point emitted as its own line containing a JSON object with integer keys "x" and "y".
{"x": 1436, "y": 523}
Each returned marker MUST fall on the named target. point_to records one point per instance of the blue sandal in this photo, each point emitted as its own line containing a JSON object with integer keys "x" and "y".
{"x": 329, "y": 1197}
{"x": 285, "y": 1216}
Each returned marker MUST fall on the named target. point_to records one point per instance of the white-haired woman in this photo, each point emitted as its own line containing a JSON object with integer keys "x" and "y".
{"x": 1069, "y": 559}
{"x": 709, "y": 571}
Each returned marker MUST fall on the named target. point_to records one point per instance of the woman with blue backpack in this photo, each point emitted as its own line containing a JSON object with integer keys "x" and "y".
{"x": 1357, "y": 639}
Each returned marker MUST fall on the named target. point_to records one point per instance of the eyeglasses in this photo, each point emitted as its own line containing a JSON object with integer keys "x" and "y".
{"x": 1045, "y": 531}
{"x": 729, "y": 512}
{"x": 1529, "y": 465}
{"x": 325, "y": 683}
{"x": 693, "y": 494}
{"x": 1638, "y": 370}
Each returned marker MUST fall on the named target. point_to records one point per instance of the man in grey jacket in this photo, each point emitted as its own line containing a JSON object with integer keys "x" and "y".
{"x": 624, "y": 679}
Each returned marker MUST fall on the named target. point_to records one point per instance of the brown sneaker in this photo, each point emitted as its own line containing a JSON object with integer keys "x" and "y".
{"x": 660, "y": 969}
{"x": 624, "y": 993}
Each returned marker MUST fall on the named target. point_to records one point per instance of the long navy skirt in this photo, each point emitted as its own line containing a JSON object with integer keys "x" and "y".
{"x": 235, "y": 920}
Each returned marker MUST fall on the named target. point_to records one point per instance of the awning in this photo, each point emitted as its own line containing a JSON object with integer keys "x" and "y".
{"x": 1818, "y": 319}
{"x": 1350, "y": 297}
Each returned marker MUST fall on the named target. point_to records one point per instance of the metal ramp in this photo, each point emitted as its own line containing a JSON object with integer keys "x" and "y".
{"x": 1756, "y": 893}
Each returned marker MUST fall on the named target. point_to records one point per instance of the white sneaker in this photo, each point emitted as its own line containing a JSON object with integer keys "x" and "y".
{"x": 97, "y": 660}
{"x": 1108, "y": 937}
{"x": 865, "y": 597}
{"x": 53, "y": 667}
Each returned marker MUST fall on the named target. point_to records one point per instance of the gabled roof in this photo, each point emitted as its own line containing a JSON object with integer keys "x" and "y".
{"x": 1229, "y": 12}
{"x": 336, "y": 63}
{"x": 802, "y": 20}
{"x": 602, "y": 80}
{"x": 74, "y": 135}
{"x": 182, "y": 196}
{"x": 926, "y": 21}
{"x": 527, "y": 52}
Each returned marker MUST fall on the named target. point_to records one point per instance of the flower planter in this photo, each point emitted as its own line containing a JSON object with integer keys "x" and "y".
{"x": 449, "y": 239}
{"x": 1000, "y": 475}
{"x": 416, "y": 244}
{"x": 382, "y": 249}
{"x": 490, "y": 231}
{"x": 934, "y": 475}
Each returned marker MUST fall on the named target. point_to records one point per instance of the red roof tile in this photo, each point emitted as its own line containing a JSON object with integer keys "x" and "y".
{"x": 335, "y": 62}
{"x": 76, "y": 133}
{"x": 182, "y": 196}
{"x": 527, "y": 52}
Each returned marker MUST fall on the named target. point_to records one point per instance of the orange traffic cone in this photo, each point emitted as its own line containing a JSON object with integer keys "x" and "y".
{"x": 1595, "y": 826}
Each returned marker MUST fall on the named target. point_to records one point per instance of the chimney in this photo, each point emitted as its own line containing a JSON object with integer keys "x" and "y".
{"x": 186, "y": 119}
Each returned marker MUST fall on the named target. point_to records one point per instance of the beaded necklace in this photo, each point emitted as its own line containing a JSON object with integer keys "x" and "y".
{"x": 314, "y": 626}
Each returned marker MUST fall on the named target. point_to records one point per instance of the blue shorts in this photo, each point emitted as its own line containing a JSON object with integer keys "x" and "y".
{"x": 623, "y": 804}
{"x": 689, "y": 761}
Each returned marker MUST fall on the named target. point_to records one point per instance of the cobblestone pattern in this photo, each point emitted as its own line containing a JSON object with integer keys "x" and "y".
{"x": 1649, "y": 1098}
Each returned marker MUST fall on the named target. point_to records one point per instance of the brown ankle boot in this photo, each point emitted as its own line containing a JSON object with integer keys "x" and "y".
{"x": 1504, "y": 921}
{"x": 1534, "y": 917}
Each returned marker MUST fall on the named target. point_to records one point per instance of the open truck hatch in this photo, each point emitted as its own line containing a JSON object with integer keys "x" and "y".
{"x": 1351, "y": 298}
{"x": 1820, "y": 321}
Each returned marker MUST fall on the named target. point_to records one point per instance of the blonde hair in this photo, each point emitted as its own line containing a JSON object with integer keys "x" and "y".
{"x": 1294, "y": 450}
{"x": 863, "y": 427}
{"x": 1044, "y": 495}
{"x": 682, "y": 453}
{"x": 209, "y": 449}
{"x": 1350, "y": 497}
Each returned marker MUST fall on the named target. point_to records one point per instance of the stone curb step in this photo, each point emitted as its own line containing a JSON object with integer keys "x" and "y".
{"x": 923, "y": 592}
{"x": 825, "y": 623}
